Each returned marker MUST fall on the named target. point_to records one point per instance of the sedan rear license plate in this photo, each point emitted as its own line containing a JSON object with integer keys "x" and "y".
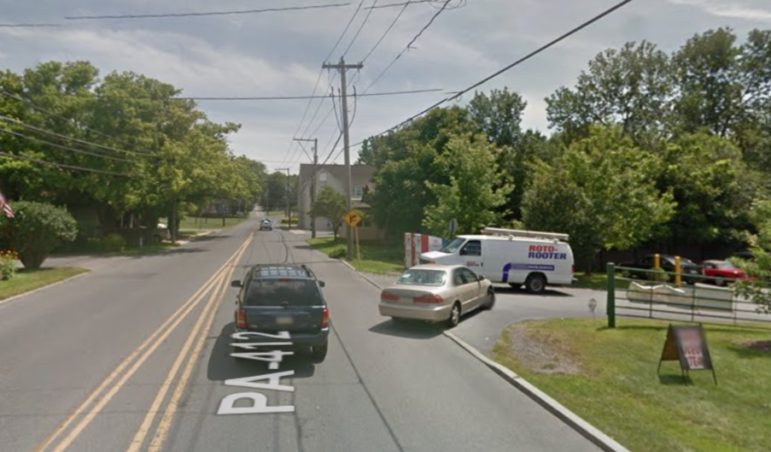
{"x": 284, "y": 320}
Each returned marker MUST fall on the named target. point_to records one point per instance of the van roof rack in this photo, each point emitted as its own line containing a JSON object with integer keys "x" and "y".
{"x": 527, "y": 234}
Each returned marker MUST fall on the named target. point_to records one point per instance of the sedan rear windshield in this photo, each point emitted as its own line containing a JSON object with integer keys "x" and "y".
{"x": 423, "y": 278}
{"x": 284, "y": 292}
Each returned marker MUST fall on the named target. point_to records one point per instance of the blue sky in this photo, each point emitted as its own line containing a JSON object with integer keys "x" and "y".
{"x": 281, "y": 53}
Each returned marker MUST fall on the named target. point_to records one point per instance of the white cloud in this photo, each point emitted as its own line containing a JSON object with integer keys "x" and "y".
{"x": 729, "y": 10}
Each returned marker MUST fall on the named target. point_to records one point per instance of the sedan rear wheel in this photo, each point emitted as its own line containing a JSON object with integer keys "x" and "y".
{"x": 490, "y": 299}
{"x": 454, "y": 319}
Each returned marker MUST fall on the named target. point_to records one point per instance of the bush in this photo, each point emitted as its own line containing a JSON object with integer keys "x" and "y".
{"x": 7, "y": 264}
{"x": 113, "y": 243}
{"x": 338, "y": 253}
{"x": 36, "y": 230}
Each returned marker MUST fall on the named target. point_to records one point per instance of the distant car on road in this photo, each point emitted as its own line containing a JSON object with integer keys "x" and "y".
{"x": 266, "y": 225}
{"x": 690, "y": 270}
{"x": 722, "y": 272}
{"x": 276, "y": 298}
{"x": 436, "y": 293}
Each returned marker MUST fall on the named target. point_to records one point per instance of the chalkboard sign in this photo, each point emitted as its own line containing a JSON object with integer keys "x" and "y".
{"x": 688, "y": 345}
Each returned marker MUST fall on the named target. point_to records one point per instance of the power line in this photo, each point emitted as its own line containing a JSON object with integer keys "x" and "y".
{"x": 62, "y": 165}
{"x": 267, "y": 98}
{"x": 208, "y": 13}
{"x": 507, "y": 67}
{"x": 361, "y": 26}
{"x": 65, "y": 148}
{"x": 318, "y": 79}
{"x": 58, "y": 135}
{"x": 54, "y": 115}
{"x": 387, "y": 30}
{"x": 407, "y": 3}
{"x": 408, "y": 46}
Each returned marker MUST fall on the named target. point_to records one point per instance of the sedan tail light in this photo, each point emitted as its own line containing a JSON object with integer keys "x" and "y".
{"x": 241, "y": 318}
{"x": 325, "y": 317}
{"x": 428, "y": 299}
{"x": 388, "y": 296}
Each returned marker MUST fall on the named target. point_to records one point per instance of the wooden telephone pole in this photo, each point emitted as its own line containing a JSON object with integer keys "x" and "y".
{"x": 342, "y": 67}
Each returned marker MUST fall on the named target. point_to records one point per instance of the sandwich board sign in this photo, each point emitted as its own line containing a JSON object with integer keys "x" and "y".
{"x": 688, "y": 345}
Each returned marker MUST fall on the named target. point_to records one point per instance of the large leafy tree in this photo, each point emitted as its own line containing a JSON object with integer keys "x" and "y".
{"x": 601, "y": 192}
{"x": 712, "y": 186}
{"x": 331, "y": 205}
{"x": 475, "y": 191}
{"x": 405, "y": 160}
{"x": 630, "y": 87}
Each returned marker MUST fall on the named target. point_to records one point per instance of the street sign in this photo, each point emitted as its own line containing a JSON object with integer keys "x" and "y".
{"x": 687, "y": 344}
{"x": 352, "y": 218}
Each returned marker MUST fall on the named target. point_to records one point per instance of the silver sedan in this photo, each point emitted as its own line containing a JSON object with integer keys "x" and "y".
{"x": 436, "y": 293}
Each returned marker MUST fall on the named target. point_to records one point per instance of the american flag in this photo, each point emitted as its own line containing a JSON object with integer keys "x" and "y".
{"x": 7, "y": 211}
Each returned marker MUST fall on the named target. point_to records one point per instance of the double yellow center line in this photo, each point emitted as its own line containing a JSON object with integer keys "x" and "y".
{"x": 69, "y": 430}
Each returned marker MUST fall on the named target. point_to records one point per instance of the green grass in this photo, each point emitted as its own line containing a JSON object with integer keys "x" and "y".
{"x": 597, "y": 281}
{"x": 375, "y": 257}
{"x": 26, "y": 280}
{"x": 617, "y": 388}
{"x": 205, "y": 224}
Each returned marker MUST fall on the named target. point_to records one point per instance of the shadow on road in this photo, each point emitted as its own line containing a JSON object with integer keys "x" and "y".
{"x": 207, "y": 238}
{"x": 222, "y": 366}
{"x": 412, "y": 329}
{"x": 520, "y": 291}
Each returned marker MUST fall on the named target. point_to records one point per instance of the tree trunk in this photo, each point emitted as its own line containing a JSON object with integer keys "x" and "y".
{"x": 173, "y": 224}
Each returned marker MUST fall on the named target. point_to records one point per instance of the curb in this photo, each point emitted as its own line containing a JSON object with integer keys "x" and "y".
{"x": 359, "y": 273}
{"x": 47, "y": 286}
{"x": 578, "y": 424}
{"x": 585, "y": 429}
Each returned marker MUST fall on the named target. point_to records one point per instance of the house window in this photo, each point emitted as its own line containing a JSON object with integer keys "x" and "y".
{"x": 357, "y": 192}
{"x": 322, "y": 176}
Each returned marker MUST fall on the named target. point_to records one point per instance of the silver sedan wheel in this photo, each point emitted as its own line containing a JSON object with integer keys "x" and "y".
{"x": 454, "y": 315}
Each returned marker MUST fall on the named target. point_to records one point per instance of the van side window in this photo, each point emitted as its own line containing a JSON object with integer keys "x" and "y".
{"x": 472, "y": 248}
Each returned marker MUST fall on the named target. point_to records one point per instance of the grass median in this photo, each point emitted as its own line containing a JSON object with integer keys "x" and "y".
{"x": 608, "y": 377}
{"x": 375, "y": 257}
{"x": 26, "y": 280}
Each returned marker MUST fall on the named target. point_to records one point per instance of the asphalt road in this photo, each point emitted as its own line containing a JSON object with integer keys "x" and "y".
{"x": 125, "y": 357}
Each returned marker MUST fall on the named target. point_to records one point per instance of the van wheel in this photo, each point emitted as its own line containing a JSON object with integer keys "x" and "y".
{"x": 535, "y": 283}
{"x": 454, "y": 319}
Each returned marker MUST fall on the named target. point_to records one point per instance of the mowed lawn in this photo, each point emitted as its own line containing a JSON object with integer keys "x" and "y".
{"x": 204, "y": 223}
{"x": 375, "y": 257}
{"x": 608, "y": 377}
{"x": 26, "y": 280}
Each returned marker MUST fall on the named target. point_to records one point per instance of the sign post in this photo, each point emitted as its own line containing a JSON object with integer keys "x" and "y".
{"x": 688, "y": 345}
{"x": 353, "y": 218}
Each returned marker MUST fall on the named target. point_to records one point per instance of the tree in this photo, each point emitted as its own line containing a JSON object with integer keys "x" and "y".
{"x": 404, "y": 161}
{"x": 37, "y": 229}
{"x": 710, "y": 89}
{"x": 476, "y": 187}
{"x": 498, "y": 115}
{"x": 712, "y": 186}
{"x": 601, "y": 192}
{"x": 630, "y": 87}
{"x": 759, "y": 268}
{"x": 331, "y": 205}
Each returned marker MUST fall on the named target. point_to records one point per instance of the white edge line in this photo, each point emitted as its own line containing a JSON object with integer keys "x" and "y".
{"x": 47, "y": 286}
{"x": 586, "y": 429}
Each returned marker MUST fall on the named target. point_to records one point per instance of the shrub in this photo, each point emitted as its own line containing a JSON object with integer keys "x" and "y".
{"x": 7, "y": 264}
{"x": 337, "y": 253}
{"x": 36, "y": 230}
{"x": 113, "y": 243}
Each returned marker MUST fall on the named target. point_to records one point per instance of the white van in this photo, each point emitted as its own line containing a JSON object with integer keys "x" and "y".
{"x": 511, "y": 256}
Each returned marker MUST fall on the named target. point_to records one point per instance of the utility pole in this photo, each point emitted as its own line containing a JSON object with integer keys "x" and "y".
{"x": 288, "y": 208}
{"x": 313, "y": 181}
{"x": 342, "y": 67}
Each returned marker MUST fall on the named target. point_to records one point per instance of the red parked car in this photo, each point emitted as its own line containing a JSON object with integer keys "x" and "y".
{"x": 722, "y": 272}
